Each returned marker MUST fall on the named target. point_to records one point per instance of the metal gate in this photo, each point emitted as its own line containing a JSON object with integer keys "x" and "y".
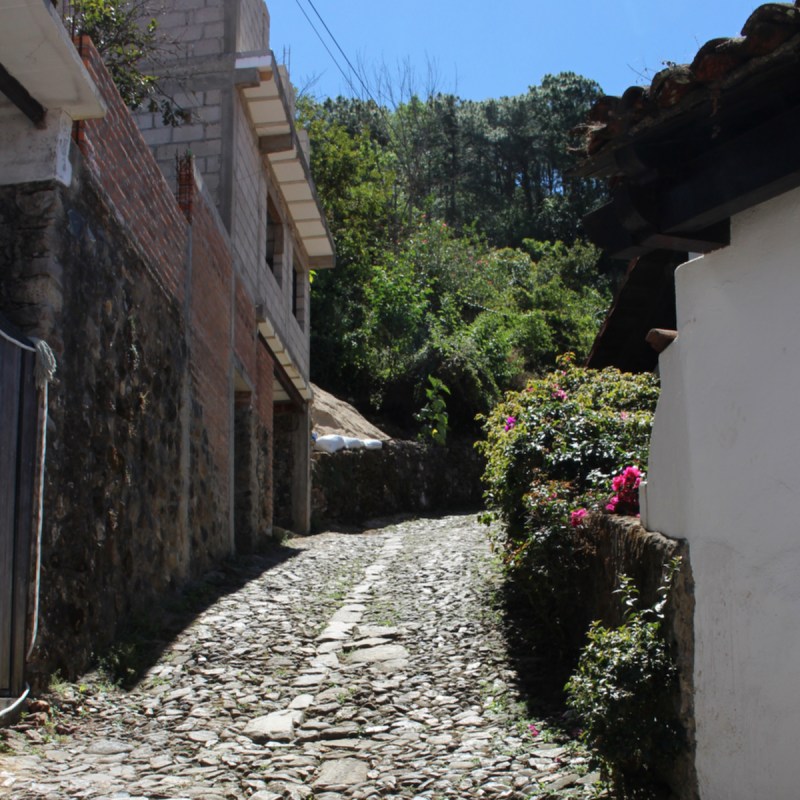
{"x": 18, "y": 445}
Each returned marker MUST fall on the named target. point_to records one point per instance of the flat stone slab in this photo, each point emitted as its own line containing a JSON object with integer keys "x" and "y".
{"x": 108, "y": 747}
{"x": 301, "y": 702}
{"x": 341, "y": 772}
{"x": 376, "y": 631}
{"x": 344, "y": 615}
{"x": 360, "y": 644}
{"x": 310, "y": 679}
{"x": 336, "y": 630}
{"x": 278, "y": 726}
{"x": 384, "y": 652}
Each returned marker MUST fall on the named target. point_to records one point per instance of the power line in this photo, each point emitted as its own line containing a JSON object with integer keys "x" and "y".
{"x": 327, "y": 49}
{"x": 344, "y": 55}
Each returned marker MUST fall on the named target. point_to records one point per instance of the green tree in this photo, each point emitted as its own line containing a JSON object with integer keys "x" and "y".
{"x": 423, "y": 200}
{"x": 125, "y": 34}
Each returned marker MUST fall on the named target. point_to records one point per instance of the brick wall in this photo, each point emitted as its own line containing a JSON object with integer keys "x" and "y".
{"x": 211, "y": 312}
{"x": 121, "y": 162}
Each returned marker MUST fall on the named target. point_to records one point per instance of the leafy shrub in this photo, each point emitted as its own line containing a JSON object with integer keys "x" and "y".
{"x": 433, "y": 415}
{"x": 572, "y": 429}
{"x": 622, "y": 692}
{"x": 553, "y": 449}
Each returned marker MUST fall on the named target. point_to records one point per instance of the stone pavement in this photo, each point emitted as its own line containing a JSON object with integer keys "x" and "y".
{"x": 363, "y": 666}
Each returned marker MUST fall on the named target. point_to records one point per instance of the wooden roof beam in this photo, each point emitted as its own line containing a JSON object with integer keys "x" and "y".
{"x": 20, "y": 97}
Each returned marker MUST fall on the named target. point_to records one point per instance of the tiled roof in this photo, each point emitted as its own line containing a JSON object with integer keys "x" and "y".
{"x": 770, "y": 39}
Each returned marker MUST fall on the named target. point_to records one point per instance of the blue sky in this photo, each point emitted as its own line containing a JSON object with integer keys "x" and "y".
{"x": 495, "y": 48}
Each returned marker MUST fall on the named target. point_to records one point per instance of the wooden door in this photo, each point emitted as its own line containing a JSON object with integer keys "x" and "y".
{"x": 18, "y": 437}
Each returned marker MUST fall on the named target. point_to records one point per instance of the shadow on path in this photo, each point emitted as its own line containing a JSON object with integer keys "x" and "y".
{"x": 144, "y": 636}
{"x": 542, "y": 668}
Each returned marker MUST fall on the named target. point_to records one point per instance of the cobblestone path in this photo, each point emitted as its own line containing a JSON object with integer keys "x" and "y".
{"x": 356, "y": 666}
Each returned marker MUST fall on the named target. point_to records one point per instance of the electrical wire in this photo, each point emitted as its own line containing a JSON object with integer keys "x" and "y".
{"x": 344, "y": 55}
{"x": 327, "y": 49}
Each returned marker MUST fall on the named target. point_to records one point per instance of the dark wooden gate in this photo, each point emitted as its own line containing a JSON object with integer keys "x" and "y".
{"x": 18, "y": 438}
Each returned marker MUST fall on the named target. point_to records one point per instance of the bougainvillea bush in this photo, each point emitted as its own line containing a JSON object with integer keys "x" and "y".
{"x": 571, "y": 443}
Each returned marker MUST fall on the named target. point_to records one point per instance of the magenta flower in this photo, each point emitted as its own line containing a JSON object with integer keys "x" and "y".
{"x": 510, "y": 423}
{"x": 559, "y": 394}
{"x": 533, "y": 729}
{"x": 576, "y": 517}
{"x": 626, "y": 497}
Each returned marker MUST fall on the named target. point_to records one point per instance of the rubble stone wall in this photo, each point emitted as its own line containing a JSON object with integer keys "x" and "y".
{"x": 621, "y": 546}
{"x": 353, "y": 486}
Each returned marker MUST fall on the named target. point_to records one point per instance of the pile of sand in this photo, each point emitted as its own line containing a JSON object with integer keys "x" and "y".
{"x": 331, "y": 415}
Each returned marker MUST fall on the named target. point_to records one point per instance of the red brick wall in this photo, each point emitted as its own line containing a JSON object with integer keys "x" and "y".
{"x": 222, "y": 320}
{"x": 211, "y": 334}
{"x": 245, "y": 329}
{"x": 122, "y": 163}
{"x": 264, "y": 408}
{"x": 257, "y": 362}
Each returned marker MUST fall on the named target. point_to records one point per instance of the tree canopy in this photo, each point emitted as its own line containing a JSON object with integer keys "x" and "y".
{"x": 458, "y": 250}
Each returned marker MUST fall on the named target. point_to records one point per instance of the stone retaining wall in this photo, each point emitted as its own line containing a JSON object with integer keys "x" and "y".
{"x": 621, "y": 546}
{"x": 352, "y": 486}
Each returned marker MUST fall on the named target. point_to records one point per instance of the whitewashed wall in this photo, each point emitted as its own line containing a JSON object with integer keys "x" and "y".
{"x": 725, "y": 473}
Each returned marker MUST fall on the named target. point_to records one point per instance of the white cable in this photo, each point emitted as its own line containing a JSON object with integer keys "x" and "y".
{"x": 18, "y": 343}
{"x": 45, "y": 370}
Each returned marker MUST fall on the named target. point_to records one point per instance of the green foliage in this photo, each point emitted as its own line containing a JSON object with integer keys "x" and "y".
{"x": 572, "y": 428}
{"x": 125, "y": 38}
{"x": 622, "y": 691}
{"x": 551, "y": 449}
{"x": 433, "y": 415}
{"x": 423, "y": 200}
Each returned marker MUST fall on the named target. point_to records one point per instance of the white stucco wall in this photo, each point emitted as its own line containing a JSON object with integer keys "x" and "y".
{"x": 725, "y": 473}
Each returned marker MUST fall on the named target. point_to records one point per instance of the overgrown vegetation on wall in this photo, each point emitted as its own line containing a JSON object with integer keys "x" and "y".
{"x": 623, "y": 691}
{"x": 566, "y": 448}
{"x": 125, "y": 33}
{"x": 553, "y": 451}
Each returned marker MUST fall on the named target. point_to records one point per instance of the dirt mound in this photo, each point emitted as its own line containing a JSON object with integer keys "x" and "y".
{"x": 331, "y": 415}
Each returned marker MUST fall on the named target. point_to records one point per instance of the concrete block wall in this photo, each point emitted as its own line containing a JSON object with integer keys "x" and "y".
{"x": 253, "y": 26}
{"x": 249, "y": 201}
{"x": 218, "y": 133}
{"x": 197, "y": 75}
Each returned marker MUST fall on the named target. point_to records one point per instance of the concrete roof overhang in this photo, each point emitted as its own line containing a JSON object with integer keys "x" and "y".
{"x": 267, "y": 98}
{"x": 38, "y": 53}
{"x": 289, "y": 384}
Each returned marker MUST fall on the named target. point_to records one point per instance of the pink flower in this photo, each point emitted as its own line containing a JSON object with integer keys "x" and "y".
{"x": 510, "y": 423}
{"x": 625, "y": 485}
{"x": 623, "y": 415}
{"x": 559, "y": 394}
{"x": 533, "y": 729}
{"x": 576, "y": 517}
